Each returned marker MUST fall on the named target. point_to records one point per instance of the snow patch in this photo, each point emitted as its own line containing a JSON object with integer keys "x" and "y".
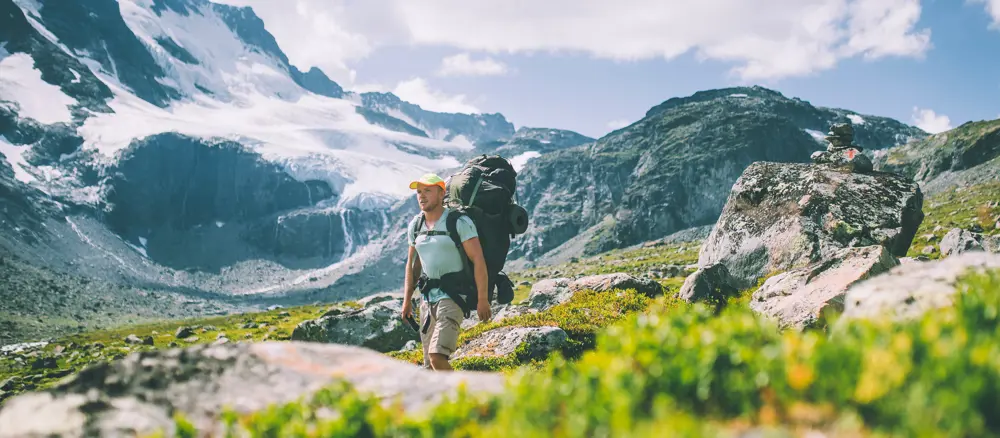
{"x": 519, "y": 161}
{"x": 22, "y": 84}
{"x": 13, "y": 154}
{"x": 856, "y": 119}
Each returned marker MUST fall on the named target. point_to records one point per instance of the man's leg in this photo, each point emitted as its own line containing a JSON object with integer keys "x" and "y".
{"x": 446, "y": 325}
{"x": 425, "y": 337}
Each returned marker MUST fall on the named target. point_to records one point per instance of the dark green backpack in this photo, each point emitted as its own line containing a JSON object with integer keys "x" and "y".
{"x": 484, "y": 190}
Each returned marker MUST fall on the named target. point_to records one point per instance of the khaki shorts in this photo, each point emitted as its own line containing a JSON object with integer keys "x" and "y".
{"x": 442, "y": 330}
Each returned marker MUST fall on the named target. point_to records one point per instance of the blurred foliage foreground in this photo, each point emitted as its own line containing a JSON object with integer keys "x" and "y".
{"x": 690, "y": 370}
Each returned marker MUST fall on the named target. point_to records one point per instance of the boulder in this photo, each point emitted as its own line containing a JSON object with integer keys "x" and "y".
{"x": 909, "y": 290}
{"x": 709, "y": 284}
{"x": 958, "y": 241}
{"x": 550, "y": 292}
{"x": 377, "y": 325}
{"x": 797, "y": 298}
{"x": 529, "y": 342}
{"x": 785, "y": 216}
{"x": 137, "y": 395}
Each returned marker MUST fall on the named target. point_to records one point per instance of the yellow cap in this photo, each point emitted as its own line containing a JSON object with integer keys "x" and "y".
{"x": 429, "y": 179}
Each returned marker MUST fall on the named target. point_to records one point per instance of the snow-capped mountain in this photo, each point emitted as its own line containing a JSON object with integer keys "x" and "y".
{"x": 173, "y": 145}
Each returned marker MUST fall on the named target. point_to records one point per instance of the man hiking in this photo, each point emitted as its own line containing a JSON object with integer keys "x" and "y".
{"x": 433, "y": 253}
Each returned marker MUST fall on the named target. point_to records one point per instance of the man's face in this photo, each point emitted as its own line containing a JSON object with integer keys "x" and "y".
{"x": 429, "y": 197}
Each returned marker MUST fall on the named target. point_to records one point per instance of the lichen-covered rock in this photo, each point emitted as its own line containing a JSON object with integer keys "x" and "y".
{"x": 138, "y": 395}
{"x": 709, "y": 284}
{"x": 797, "y": 298}
{"x": 958, "y": 241}
{"x": 377, "y": 326}
{"x": 910, "y": 290}
{"x": 528, "y": 342}
{"x": 784, "y": 216}
{"x": 550, "y": 292}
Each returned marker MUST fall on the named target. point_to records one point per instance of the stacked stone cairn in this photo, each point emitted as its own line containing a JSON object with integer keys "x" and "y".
{"x": 841, "y": 152}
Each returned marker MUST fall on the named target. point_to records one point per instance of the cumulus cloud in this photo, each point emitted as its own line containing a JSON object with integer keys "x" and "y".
{"x": 766, "y": 39}
{"x": 993, "y": 9}
{"x": 463, "y": 65}
{"x": 419, "y": 92}
{"x": 930, "y": 121}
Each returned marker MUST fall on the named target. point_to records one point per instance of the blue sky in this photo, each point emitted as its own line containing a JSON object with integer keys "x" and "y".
{"x": 591, "y": 68}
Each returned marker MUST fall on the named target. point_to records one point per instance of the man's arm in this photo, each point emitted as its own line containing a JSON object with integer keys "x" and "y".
{"x": 475, "y": 252}
{"x": 413, "y": 270}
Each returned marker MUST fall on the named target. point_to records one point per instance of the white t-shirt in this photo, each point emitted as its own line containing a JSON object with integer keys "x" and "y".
{"x": 438, "y": 255}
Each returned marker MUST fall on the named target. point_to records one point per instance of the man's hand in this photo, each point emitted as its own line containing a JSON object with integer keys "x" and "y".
{"x": 407, "y": 309}
{"x": 485, "y": 313}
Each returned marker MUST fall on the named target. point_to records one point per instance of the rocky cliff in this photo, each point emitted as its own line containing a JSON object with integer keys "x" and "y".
{"x": 966, "y": 155}
{"x": 673, "y": 169}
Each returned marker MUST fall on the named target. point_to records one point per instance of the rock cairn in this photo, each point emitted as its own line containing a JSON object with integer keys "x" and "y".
{"x": 841, "y": 152}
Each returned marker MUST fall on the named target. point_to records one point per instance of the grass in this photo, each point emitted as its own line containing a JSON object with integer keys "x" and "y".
{"x": 633, "y": 261}
{"x": 967, "y": 208}
{"x": 690, "y": 371}
{"x": 40, "y": 370}
{"x": 581, "y": 317}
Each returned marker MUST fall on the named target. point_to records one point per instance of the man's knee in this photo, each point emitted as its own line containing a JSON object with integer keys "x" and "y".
{"x": 439, "y": 361}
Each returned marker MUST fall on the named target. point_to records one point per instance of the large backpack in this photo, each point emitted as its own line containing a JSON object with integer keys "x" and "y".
{"x": 484, "y": 190}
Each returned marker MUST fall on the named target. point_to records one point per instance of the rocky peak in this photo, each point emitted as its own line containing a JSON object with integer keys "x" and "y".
{"x": 755, "y": 91}
{"x": 96, "y": 28}
{"x": 965, "y": 155}
{"x": 556, "y": 137}
{"x": 475, "y": 128}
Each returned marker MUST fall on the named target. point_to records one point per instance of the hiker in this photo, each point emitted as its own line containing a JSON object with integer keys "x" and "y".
{"x": 432, "y": 256}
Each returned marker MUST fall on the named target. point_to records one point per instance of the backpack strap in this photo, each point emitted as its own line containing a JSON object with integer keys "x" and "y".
{"x": 452, "y": 226}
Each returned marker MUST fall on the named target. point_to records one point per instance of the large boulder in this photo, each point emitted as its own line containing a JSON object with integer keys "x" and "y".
{"x": 785, "y": 216}
{"x": 797, "y": 298}
{"x": 910, "y": 290}
{"x": 377, "y": 325}
{"x": 137, "y": 395}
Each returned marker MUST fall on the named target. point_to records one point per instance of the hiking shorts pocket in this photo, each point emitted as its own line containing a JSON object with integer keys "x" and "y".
{"x": 442, "y": 332}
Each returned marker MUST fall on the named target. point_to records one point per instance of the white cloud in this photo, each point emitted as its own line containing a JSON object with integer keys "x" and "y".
{"x": 767, "y": 39}
{"x": 930, "y": 121}
{"x": 463, "y": 65}
{"x": 618, "y": 124}
{"x": 992, "y": 8}
{"x": 417, "y": 91}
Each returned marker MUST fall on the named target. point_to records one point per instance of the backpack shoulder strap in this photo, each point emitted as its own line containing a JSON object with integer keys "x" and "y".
{"x": 452, "y": 224}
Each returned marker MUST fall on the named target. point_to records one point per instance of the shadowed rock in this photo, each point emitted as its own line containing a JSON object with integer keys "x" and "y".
{"x": 798, "y": 298}
{"x": 377, "y": 326}
{"x": 711, "y": 283}
{"x": 139, "y": 394}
